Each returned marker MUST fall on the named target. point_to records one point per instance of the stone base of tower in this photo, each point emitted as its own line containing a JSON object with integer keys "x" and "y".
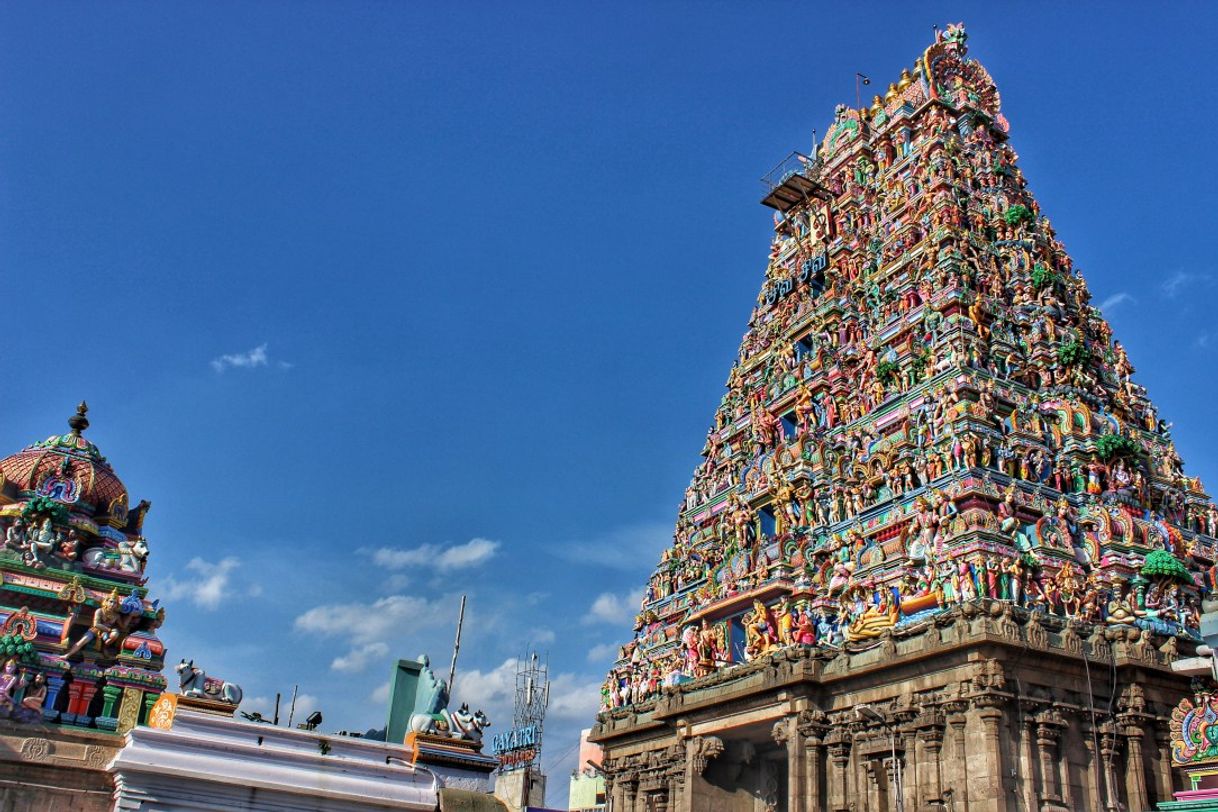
{"x": 985, "y": 708}
{"x": 45, "y": 767}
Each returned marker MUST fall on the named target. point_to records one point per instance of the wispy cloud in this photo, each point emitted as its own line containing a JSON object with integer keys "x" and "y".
{"x": 357, "y": 659}
{"x": 541, "y": 636}
{"x": 380, "y": 695}
{"x": 1114, "y": 300}
{"x": 443, "y": 558}
{"x": 209, "y": 586}
{"x": 630, "y": 547}
{"x": 364, "y": 623}
{"x": 612, "y": 608}
{"x": 251, "y": 359}
{"x": 602, "y": 653}
{"x": 1203, "y": 341}
{"x": 1182, "y": 281}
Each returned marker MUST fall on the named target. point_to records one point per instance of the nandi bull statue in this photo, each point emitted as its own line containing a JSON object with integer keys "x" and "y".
{"x": 193, "y": 681}
{"x": 459, "y": 724}
{"x": 432, "y": 716}
{"x": 127, "y": 556}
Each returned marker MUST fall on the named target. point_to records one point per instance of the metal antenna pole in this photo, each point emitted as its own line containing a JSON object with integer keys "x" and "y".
{"x": 452, "y": 669}
{"x": 292, "y": 710}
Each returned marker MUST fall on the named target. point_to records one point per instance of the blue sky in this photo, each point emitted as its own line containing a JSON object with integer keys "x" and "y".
{"x": 380, "y": 303}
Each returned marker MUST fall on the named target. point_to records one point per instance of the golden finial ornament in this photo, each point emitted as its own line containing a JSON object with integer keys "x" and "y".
{"x": 78, "y": 422}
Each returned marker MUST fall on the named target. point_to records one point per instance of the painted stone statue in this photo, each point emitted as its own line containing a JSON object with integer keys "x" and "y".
{"x": 432, "y": 716}
{"x": 193, "y": 681}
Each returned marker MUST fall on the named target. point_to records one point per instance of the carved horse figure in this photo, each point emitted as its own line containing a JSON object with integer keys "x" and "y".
{"x": 193, "y": 681}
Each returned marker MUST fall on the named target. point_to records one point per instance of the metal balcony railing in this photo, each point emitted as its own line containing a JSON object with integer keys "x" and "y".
{"x": 794, "y": 180}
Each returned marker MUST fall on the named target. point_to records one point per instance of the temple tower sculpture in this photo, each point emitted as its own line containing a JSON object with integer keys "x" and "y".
{"x": 80, "y": 663}
{"x": 940, "y": 550}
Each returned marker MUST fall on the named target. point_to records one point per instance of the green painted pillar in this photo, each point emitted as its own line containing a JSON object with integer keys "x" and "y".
{"x": 149, "y": 700}
{"x": 110, "y": 695}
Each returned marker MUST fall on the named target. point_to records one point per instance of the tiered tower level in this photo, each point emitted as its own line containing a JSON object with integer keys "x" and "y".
{"x": 79, "y": 657}
{"x": 929, "y": 440}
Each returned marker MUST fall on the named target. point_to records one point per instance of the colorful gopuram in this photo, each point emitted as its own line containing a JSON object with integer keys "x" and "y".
{"x": 80, "y": 661}
{"x": 940, "y": 551}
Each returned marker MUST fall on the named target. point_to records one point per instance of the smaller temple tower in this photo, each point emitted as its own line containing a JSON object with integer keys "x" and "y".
{"x": 80, "y": 663}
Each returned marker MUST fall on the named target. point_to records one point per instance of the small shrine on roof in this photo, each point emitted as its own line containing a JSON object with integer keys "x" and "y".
{"x": 80, "y": 660}
{"x": 940, "y": 549}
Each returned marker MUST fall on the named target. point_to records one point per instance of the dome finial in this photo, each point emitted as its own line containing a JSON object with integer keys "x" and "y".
{"x": 78, "y": 422}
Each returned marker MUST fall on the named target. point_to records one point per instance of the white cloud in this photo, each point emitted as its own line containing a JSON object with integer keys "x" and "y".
{"x": 367, "y": 626}
{"x": 257, "y": 357}
{"x": 445, "y": 559}
{"x": 571, "y": 696}
{"x": 357, "y": 659}
{"x": 1114, "y": 300}
{"x": 380, "y": 695}
{"x": 488, "y": 689}
{"x": 209, "y": 586}
{"x": 602, "y": 653}
{"x": 469, "y": 554}
{"x": 611, "y": 608}
{"x": 305, "y": 704}
{"x": 574, "y": 698}
{"x": 631, "y": 547}
{"x": 365, "y": 623}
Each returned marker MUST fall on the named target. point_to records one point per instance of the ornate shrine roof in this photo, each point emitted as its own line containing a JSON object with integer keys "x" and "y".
{"x": 70, "y": 469}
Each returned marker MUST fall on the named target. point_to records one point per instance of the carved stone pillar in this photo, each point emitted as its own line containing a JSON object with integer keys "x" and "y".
{"x": 1135, "y": 764}
{"x": 959, "y": 783}
{"x": 630, "y": 790}
{"x": 907, "y": 759}
{"x": 787, "y": 735}
{"x": 1094, "y": 774}
{"x": 676, "y": 787}
{"x": 991, "y": 787}
{"x": 871, "y": 780}
{"x": 1027, "y": 759}
{"x": 839, "y": 758}
{"x": 1164, "y": 786}
{"x": 930, "y": 779}
{"x": 813, "y": 727}
{"x": 1048, "y": 732}
{"x": 1108, "y": 754}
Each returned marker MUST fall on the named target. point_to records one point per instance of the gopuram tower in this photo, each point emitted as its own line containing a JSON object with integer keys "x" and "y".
{"x": 940, "y": 551}
{"x": 80, "y": 661}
